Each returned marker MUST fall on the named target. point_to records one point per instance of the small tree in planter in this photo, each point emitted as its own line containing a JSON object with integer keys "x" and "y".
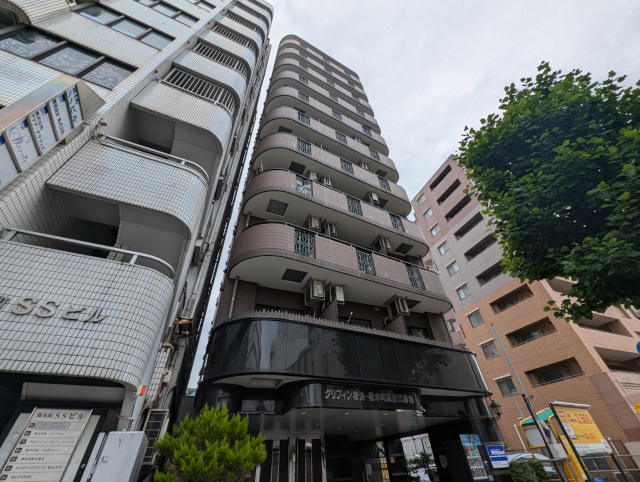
{"x": 528, "y": 471}
{"x": 211, "y": 446}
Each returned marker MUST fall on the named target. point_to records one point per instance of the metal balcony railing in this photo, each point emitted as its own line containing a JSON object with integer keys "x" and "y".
{"x": 396, "y": 221}
{"x": 246, "y": 23}
{"x": 384, "y": 184}
{"x": 346, "y": 166}
{"x": 237, "y": 38}
{"x": 414, "y": 277}
{"x": 305, "y": 119}
{"x": 365, "y": 262}
{"x": 304, "y": 185}
{"x": 304, "y": 146}
{"x": 354, "y": 205}
{"x": 304, "y": 243}
{"x": 222, "y": 58}
{"x": 202, "y": 88}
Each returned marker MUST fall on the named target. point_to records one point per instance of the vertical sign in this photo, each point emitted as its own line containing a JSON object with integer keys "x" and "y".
{"x": 73, "y": 99}
{"x": 7, "y": 168}
{"x": 46, "y": 445}
{"x": 474, "y": 459}
{"x": 42, "y": 128}
{"x": 21, "y": 142}
{"x": 60, "y": 115}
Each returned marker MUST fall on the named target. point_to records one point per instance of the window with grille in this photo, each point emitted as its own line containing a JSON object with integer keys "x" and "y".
{"x": 396, "y": 222}
{"x": 336, "y": 114}
{"x": 354, "y": 205}
{"x": 489, "y": 350}
{"x": 222, "y": 58}
{"x": 303, "y": 80}
{"x": 414, "y": 276}
{"x": 328, "y": 70}
{"x": 374, "y": 154}
{"x": 303, "y": 67}
{"x": 506, "y": 386}
{"x": 355, "y": 97}
{"x": 304, "y": 118}
{"x": 250, "y": 11}
{"x": 326, "y": 60}
{"x": 346, "y": 166}
{"x": 360, "y": 112}
{"x": 304, "y": 146}
{"x": 365, "y": 262}
{"x": 333, "y": 97}
{"x": 304, "y": 185}
{"x": 169, "y": 11}
{"x": 303, "y": 46}
{"x": 304, "y": 56}
{"x": 303, "y": 97}
{"x": 384, "y": 184}
{"x": 557, "y": 372}
{"x": 202, "y": 88}
{"x": 304, "y": 243}
{"x": 366, "y": 130}
{"x": 341, "y": 137}
{"x": 239, "y": 39}
{"x": 331, "y": 83}
{"x": 475, "y": 318}
{"x": 531, "y": 332}
{"x": 246, "y": 23}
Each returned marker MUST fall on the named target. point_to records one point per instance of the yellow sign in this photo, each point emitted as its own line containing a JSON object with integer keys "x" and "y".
{"x": 582, "y": 430}
{"x": 637, "y": 405}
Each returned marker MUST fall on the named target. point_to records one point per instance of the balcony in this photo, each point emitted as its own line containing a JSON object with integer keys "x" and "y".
{"x": 312, "y": 65}
{"x": 252, "y": 20}
{"x": 153, "y": 205}
{"x": 250, "y": 34}
{"x": 260, "y": 251}
{"x": 219, "y": 41}
{"x": 295, "y": 42}
{"x": 285, "y": 346}
{"x": 286, "y": 151}
{"x": 359, "y": 224}
{"x": 320, "y": 134}
{"x": 258, "y": 7}
{"x": 82, "y": 315}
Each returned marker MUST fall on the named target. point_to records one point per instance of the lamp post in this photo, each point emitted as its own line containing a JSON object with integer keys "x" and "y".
{"x": 496, "y": 409}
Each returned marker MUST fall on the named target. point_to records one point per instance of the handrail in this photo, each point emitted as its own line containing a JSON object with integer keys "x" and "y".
{"x": 10, "y": 232}
{"x": 575, "y": 375}
{"x": 149, "y": 150}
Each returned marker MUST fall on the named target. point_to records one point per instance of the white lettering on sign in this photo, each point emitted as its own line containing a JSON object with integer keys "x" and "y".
{"x": 21, "y": 142}
{"x": 48, "y": 308}
{"x": 42, "y": 128}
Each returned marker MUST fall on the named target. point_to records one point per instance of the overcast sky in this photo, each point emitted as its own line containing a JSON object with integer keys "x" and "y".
{"x": 431, "y": 67}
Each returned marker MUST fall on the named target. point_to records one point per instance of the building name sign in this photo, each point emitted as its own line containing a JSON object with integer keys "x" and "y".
{"x": 369, "y": 396}
{"x": 46, "y": 445}
{"x": 49, "y": 308}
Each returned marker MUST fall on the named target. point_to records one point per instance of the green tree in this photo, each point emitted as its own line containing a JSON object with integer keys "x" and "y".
{"x": 210, "y": 447}
{"x": 421, "y": 461}
{"x": 558, "y": 173}
{"x": 528, "y": 471}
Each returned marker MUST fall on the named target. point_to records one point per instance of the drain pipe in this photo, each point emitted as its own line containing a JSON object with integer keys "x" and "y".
{"x": 233, "y": 296}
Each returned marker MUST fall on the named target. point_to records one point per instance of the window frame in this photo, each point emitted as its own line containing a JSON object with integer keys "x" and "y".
{"x": 174, "y": 16}
{"x": 450, "y": 265}
{"x": 471, "y": 317}
{"x": 434, "y": 227}
{"x": 466, "y": 292}
{"x": 509, "y": 392}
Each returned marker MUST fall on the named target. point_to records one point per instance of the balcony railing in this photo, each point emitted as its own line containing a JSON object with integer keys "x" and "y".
{"x": 354, "y": 205}
{"x": 568, "y": 377}
{"x": 304, "y": 243}
{"x": 304, "y": 118}
{"x": 304, "y": 185}
{"x": 384, "y": 184}
{"x": 396, "y": 221}
{"x": 346, "y": 166}
{"x": 304, "y": 146}
{"x": 414, "y": 277}
{"x": 365, "y": 262}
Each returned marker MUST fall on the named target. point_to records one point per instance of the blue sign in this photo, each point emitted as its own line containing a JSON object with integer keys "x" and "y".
{"x": 498, "y": 456}
{"x": 638, "y": 347}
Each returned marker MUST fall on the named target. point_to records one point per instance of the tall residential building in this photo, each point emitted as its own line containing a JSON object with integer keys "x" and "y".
{"x": 592, "y": 362}
{"x": 124, "y": 126}
{"x": 329, "y": 332}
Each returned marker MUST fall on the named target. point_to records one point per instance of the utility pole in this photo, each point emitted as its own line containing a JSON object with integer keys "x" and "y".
{"x": 527, "y": 401}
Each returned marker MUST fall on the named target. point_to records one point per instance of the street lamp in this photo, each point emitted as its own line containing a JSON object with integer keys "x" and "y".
{"x": 496, "y": 409}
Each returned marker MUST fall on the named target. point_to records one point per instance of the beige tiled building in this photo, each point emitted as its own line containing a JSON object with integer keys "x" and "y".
{"x": 593, "y": 362}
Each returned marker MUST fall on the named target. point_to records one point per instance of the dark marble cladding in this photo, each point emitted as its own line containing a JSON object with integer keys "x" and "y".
{"x": 274, "y": 346}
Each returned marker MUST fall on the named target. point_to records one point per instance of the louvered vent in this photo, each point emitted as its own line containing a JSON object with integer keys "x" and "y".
{"x": 222, "y": 58}
{"x": 154, "y": 428}
{"x": 202, "y": 88}
{"x": 236, "y": 38}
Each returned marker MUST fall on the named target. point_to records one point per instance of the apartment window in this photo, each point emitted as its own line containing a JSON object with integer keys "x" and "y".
{"x": 336, "y": 114}
{"x": 304, "y": 185}
{"x": 421, "y": 199}
{"x": 328, "y": 70}
{"x": 485, "y": 243}
{"x": 326, "y": 60}
{"x": 489, "y": 274}
{"x": 440, "y": 178}
{"x": 333, "y": 97}
{"x": 304, "y": 146}
{"x": 239, "y": 39}
{"x": 468, "y": 226}
{"x": 346, "y": 166}
{"x": 434, "y": 230}
{"x": 303, "y": 67}
{"x": 428, "y": 213}
{"x": 511, "y": 299}
{"x": 341, "y": 137}
{"x": 414, "y": 276}
{"x": 351, "y": 84}
{"x": 347, "y": 73}
{"x": 360, "y": 112}
{"x": 475, "y": 318}
{"x": 202, "y": 88}
{"x": 396, "y": 222}
{"x": 450, "y": 190}
{"x": 463, "y": 292}
{"x": 305, "y": 119}
{"x": 366, "y": 130}
{"x": 302, "y": 55}
{"x": 169, "y": 11}
{"x": 303, "y": 46}
{"x": 303, "y": 97}
{"x": 506, "y": 386}
{"x": 222, "y": 58}
{"x": 331, "y": 83}
{"x": 453, "y": 268}
{"x": 443, "y": 248}
{"x": 303, "y": 80}
{"x": 365, "y": 262}
{"x": 455, "y": 210}
{"x": 489, "y": 349}
{"x": 304, "y": 243}
{"x": 384, "y": 184}
{"x": 531, "y": 332}
{"x": 374, "y": 154}
{"x": 355, "y": 97}
{"x": 64, "y": 56}
{"x": 555, "y": 373}
{"x": 354, "y": 205}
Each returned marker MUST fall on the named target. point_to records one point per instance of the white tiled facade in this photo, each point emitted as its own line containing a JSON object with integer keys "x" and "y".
{"x": 110, "y": 237}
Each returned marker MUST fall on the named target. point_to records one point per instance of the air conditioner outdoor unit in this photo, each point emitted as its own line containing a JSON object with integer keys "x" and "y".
{"x": 329, "y": 228}
{"x": 198, "y": 252}
{"x": 313, "y": 293}
{"x": 373, "y": 198}
{"x": 337, "y": 293}
{"x": 397, "y": 306}
{"x": 313, "y": 176}
{"x": 189, "y": 309}
{"x": 326, "y": 181}
{"x": 382, "y": 244}
{"x": 313, "y": 223}
{"x": 363, "y": 165}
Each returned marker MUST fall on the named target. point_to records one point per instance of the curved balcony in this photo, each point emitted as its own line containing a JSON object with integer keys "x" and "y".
{"x": 288, "y": 96}
{"x": 264, "y": 251}
{"x": 278, "y": 151}
{"x": 223, "y": 43}
{"x": 358, "y": 354}
{"x": 261, "y": 9}
{"x": 90, "y": 317}
{"x": 252, "y": 19}
{"x": 253, "y": 36}
{"x": 305, "y": 198}
{"x": 348, "y": 74}
{"x": 318, "y": 133}
{"x": 294, "y": 54}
